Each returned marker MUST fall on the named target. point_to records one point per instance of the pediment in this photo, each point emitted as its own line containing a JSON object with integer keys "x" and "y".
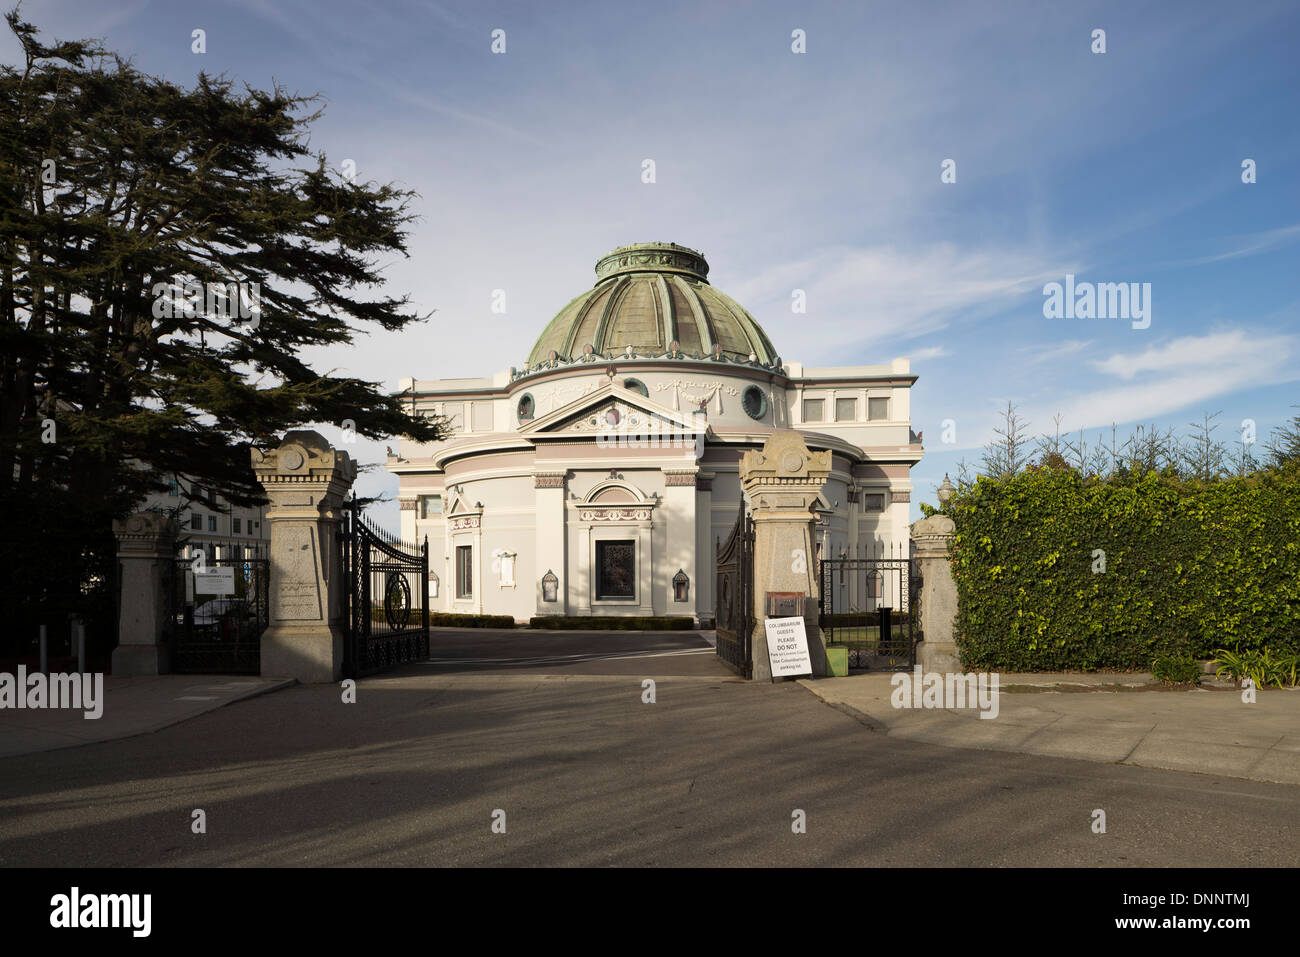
{"x": 611, "y": 409}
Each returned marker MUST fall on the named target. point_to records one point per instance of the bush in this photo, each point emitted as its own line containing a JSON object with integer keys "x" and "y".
{"x": 1187, "y": 564}
{"x": 620, "y": 623}
{"x": 452, "y": 620}
{"x": 1176, "y": 670}
{"x": 1263, "y": 668}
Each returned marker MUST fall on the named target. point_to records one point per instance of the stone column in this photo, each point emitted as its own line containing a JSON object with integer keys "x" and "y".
{"x": 306, "y": 480}
{"x": 551, "y": 540}
{"x": 145, "y": 550}
{"x": 931, "y": 540}
{"x": 782, "y": 481}
{"x": 679, "y": 540}
{"x": 706, "y": 567}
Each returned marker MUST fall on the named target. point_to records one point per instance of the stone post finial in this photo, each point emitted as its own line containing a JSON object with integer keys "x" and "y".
{"x": 945, "y": 490}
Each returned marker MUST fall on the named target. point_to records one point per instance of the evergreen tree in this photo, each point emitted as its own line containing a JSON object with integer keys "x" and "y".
{"x": 167, "y": 254}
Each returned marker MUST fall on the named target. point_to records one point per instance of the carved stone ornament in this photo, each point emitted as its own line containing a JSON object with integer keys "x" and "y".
{"x": 303, "y": 455}
{"x": 615, "y": 515}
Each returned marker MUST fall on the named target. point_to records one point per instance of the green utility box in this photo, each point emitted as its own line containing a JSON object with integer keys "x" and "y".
{"x": 837, "y": 660}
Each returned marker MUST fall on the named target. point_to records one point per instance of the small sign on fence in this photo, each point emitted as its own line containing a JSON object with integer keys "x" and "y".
{"x": 215, "y": 581}
{"x": 787, "y": 647}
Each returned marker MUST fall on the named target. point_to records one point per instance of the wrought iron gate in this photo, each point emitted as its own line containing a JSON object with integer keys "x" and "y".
{"x": 384, "y": 591}
{"x": 869, "y": 604}
{"x": 734, "y": 597}
{"x": 219, "y": 633}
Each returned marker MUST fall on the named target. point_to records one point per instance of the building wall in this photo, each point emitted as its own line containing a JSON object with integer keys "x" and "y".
{"x": 253, "y": 539}
{"x": 536, "y": 492}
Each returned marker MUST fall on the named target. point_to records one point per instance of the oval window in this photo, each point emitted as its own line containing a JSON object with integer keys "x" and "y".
{"x": 754, "y": 402}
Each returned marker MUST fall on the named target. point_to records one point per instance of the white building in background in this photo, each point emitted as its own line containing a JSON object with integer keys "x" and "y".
{"x": 598, "y": 479}
{"x": 228, "y": 532}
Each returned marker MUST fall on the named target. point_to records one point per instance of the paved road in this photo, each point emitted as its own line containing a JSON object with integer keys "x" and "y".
{"x": 588, "y": 774}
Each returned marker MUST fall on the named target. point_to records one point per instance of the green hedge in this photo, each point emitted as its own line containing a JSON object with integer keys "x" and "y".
{"x": 1189, "y": 567}
{"x": 620, "y": 623}
{"x": 451, "y": 620}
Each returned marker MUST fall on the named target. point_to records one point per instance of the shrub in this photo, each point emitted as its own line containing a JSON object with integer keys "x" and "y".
{"x": 619, "y": 623}
{"x": 453, "y": 620}
{"x": 1176, "y": 670}
{"x": 1263, "y": 668}
{"x": 1188, "y": 564}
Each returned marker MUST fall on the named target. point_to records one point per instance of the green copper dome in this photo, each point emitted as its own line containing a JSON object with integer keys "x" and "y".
{"x": 656, "y": 298}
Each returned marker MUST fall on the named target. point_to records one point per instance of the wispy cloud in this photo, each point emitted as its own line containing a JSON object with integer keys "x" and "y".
{"x": 1037, "y": 353}
{"x": 929, "y": 352}
{"x": 1183, "y": 373}
{"x": 1250, "y": 245}
{"x": 886, "y": 293}
{"x": 1231, "y": 349}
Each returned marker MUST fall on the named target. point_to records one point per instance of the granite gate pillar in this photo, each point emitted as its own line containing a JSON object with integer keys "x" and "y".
{"x": 782, "y": 481}
{"x": 306, "y": 480}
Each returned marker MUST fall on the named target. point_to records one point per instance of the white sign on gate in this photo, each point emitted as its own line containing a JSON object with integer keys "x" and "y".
{"x": 787, "y": 647}
{"x": 215, "y": 581}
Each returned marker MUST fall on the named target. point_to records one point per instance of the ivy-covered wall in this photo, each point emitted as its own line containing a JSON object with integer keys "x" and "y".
{"x": 1058, "y": 572}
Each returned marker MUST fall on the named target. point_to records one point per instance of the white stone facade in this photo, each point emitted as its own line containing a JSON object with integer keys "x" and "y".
{"x": 635, "y": 458}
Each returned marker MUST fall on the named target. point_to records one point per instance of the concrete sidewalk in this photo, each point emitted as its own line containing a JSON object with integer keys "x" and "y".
{"x": 131, "y": 706}
{"x": 1115, "y": 719}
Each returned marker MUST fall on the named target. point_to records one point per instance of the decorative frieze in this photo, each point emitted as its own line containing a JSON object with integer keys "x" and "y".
{"x": 673, "y": 477}
{"x": 465, "y": 522}
{"x": 615, "y": 515}
{"x": 900, "y": 496}
{"x": 407, "y": 504}
{"x": 548, "y": 479}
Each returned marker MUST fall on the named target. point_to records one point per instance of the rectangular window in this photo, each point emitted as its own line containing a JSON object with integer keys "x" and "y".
{"x": 173, "y": 489}
{"x": 212, "y": 523}
{"x": 196, "y": 522}
{"x": 878, "y": 409}
{"x": 873, "y": 503}
{"x": 234, "y": 526}
{"x": 430, "y": 505}
{"x": 455, "y": 413}
{"x": 846, "y": 410}
{"x": 482, "y": 413}
{"x": 616, "y": 570}
{"x": 464, "y": 571}
{"x": 814, "y": 410}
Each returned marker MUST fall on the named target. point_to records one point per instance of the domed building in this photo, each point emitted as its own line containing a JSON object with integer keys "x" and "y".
{"x": 598, "y": 479}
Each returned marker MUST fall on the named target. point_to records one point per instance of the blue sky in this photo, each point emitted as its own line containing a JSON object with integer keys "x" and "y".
{"x": 818, "y": 171}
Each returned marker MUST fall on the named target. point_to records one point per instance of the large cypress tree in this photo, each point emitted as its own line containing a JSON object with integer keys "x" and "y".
{"x": 128, "y": 206}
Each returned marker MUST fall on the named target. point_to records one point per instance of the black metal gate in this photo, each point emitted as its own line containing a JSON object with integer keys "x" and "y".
{"x": 385, "y": 584}
{"x": 734, "y": 597}
{"x": 217, "y": 612}
{"x": 868, "y": 604}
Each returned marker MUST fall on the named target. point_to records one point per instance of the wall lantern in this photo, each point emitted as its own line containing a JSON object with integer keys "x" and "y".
{"x": 681, "y": 586}
{"x": 550, "y": 586}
